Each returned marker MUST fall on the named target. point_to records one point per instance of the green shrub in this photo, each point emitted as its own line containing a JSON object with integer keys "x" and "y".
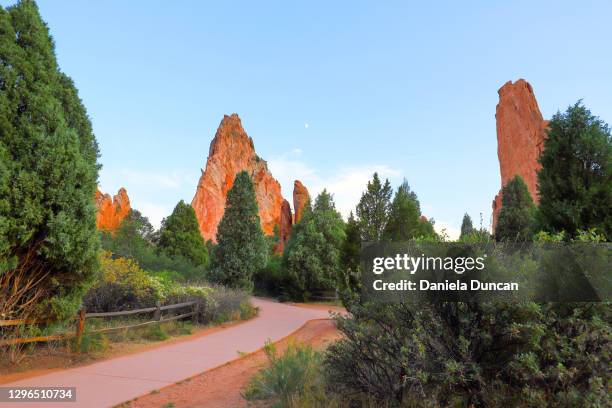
{"x": 293, "y": 376}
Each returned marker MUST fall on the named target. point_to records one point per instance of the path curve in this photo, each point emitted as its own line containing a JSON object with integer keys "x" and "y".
{"x": 111, "y": 382}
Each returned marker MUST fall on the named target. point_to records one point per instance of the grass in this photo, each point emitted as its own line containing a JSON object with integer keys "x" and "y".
{"x": 292, "y": 378}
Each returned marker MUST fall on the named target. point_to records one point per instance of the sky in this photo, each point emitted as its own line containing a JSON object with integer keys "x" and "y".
{"x": 329, "y": 91}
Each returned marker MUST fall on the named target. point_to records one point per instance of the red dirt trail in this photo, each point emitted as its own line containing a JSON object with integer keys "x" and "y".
{"x": 111, "y": 382}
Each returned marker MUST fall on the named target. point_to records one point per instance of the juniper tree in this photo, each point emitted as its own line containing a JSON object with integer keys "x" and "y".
{"x": 180, "y": 235}
{"x": 575, "y": 182}
{"x": 49, "y": 170}
{"x": 313, "y": 256}
{"x": 241, "y": 248}
{"x": 517, "y": 215}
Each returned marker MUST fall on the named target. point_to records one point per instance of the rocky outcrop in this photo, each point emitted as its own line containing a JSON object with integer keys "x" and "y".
{"x": 111, "y": 211}
{"x": 521, "y": 131}
{"x": 300, "y": 198}
{"x": 232, "y": 151}
{"x": 284, "y": 231}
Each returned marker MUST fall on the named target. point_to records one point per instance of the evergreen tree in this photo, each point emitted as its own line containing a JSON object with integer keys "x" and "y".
{"x": 180, "y": 235}
{"x": 466, "y": 226}
{"x": 49, "y": 171}
{"x": 313, "y": 256}
{"x": 241, "y": 246}
{"x": 404, "y": 222}
{"x": 373, "y": 209}
{"x": 351, "y": 255}
{"x": 575, "y": 182}
{"x": 517, "y": 215}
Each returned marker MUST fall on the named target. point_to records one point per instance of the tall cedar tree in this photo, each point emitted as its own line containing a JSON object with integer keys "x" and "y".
{"x": 180, "y": 235}
{"x": 517, "y": 216}
{"x": 466, "y": 226}
{"x": 373, "y": 209}
{"x": 575, "y": 182}
{"x": 49, "y": 168}
{"x": 313, "y": 257}
{"x": 241, "y": 246}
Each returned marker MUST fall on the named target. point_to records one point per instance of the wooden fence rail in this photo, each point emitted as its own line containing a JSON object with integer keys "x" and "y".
{"x": 82, "y": 317}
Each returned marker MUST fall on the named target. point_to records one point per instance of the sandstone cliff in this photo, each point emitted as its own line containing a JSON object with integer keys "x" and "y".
{"x": 111, "y": 211}
{"x": 300, "y": 198}
{"x": 232, "y": 151}
{"x": 521, "y": 131}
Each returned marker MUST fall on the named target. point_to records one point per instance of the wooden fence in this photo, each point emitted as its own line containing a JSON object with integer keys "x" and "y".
{"x": 82, "y": 316}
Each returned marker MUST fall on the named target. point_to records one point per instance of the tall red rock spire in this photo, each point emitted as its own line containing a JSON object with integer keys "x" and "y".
{"x": 232, "y": 151}
{"x": 521, "y": 131}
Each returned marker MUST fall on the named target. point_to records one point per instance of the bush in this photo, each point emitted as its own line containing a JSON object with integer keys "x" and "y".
{"x": 291, "y": 377}
{"x": 463, "y": 354}
{"x": 123, "y": 285}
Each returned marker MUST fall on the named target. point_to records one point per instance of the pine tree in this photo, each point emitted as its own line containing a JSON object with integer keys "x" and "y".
{"x": 47, "y": 215}
{"x": 241, "y": 246}
{"x": 404, "y": 222}
{"x": 467, "y": 227}
{"x": 517, "y": 216}
{"x": 575, "y": 182}
{"x": 180, "y": 235}
{"x": 313, "y": 256}
{"x": 373, "y": 209}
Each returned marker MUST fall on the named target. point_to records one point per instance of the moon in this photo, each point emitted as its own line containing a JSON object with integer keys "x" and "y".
{"x": 306, "y": 125}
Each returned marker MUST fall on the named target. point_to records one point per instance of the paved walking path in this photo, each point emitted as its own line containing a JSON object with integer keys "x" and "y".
{"x": 111, "y": 382}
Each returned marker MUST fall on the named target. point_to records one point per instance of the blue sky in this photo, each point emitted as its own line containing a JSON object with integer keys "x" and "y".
{"x": 408, "y": 89}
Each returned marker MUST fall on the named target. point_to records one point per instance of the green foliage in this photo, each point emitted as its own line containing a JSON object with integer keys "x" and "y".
{"x": 136, "y": 239}
{"x": 271, "y": 280}
{"x": 49, "y": 167}
{"x": 466, "y": 226}
{"x": 575, "y": 182}
{"x": 180, "y": 235}
{"x": 290, "y": 377}
{"x": 517, "y": 216}
{"x": 513, "y": 353}
{"x": 457, "y": 354}
{"x": 404, "y": 219}
{"x": 242, "y": 249}
{"x": 313, "y": 257}
{"x": 351, "y": 256}
{"x": 373, "y": 209}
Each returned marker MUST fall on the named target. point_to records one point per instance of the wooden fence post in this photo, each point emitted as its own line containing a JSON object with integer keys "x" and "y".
{"x": 196, "y": 311}
{"x": 157, "y": 314}
{"x": 80, "y": 328}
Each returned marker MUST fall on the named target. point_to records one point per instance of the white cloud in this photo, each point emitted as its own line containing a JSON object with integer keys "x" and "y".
{"x": 154, "y": 212}
{"x": 451, "y": 231}
{"x": 346, "y": 183}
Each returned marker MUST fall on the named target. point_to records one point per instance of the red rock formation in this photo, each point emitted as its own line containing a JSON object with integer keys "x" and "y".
{"x": 300, "y": 198}
{"x": 232, "y": 151}
{"x": 111, "y": 211}
{"x": 284, "y": 227}
{"x": 521, "y": 131}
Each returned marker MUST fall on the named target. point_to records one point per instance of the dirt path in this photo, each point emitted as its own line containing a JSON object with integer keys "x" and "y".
{"x": 111, "y": 382}
{"x": 222, "y": 386}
